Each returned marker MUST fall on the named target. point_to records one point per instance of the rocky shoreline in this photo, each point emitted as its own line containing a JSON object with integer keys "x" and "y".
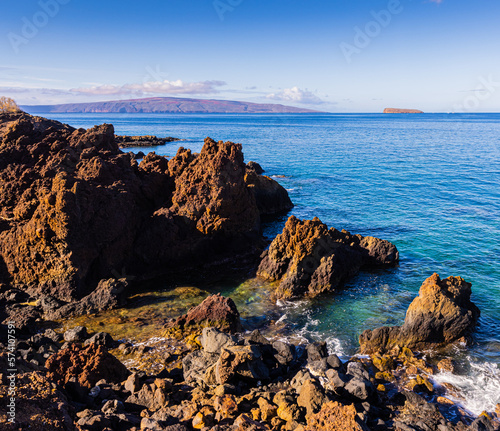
{"x": 83, "y": 224}
{"x": 213, "y": 376}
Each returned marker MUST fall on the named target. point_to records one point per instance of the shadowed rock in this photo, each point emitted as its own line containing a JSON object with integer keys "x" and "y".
{"x": 271, "y": 197}
{"x": 441, "y": 314}
{"x": 307, "y": 258}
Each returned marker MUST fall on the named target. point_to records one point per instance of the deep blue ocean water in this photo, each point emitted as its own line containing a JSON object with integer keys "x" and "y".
{"x": 429, "y": 183}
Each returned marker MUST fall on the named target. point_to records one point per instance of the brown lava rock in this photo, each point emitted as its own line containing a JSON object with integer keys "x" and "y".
{"x": 334, "y": 416}
{"x": 441, "y": 314}
{"x": 215, "y": 311}
{"x": 38, "y": 406}
{"x": 87, "y": 365}
{"x": 307, "y": 258}
{"x": 75, "y": 209}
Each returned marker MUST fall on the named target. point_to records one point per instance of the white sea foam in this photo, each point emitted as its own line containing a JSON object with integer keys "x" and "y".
{"x": 281, "y": 319}
{"x": 290, "y": 304}
{"x": 335, "y": 347}
{"x": 480, "y": 387}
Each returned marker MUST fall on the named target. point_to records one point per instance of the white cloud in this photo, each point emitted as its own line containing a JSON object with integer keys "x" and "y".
{"x": 153, "y": 87}
{"x": 295, "y": 94}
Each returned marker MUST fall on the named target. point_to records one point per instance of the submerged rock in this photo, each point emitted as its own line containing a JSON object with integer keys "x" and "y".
{"x": 442, "y": 313}
{"x": 307, "y": 258}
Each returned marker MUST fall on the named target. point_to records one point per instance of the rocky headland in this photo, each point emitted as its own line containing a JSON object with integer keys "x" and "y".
{"x": 75, "y": 210}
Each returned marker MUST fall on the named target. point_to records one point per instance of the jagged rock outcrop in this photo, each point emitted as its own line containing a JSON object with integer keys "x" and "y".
{"x": 307, "y": 258}
{"x": 75, "y": 209}
{"x": 441, "y": 314}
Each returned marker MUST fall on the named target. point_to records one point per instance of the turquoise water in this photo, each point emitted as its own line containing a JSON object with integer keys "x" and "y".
{"x": 429, "y": 183}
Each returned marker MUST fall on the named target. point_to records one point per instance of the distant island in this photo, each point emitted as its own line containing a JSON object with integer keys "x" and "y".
{"x": 402, "y": 111}
{"x": 173, "y": 105}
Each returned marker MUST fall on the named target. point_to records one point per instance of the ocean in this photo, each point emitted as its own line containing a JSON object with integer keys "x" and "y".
{"x": 429, "y": 183}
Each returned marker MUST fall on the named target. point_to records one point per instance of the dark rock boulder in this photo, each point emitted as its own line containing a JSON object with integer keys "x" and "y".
{"x": 441, "y": 314}
{"x": 101, "y": 338}
{"x": 271, "y": 197}
{"x": 24, "y": 316}
{"x": 254, "y": 166}
{"x": 307, "y": 258}
{"x": 76, "y": 335}
{"x": 108, "y": 295}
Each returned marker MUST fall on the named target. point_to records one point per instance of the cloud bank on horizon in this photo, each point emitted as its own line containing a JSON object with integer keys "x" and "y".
{"x": 153, "y": 87}
{"x": 296, "y": 95}
{"x": 335, "y": 55}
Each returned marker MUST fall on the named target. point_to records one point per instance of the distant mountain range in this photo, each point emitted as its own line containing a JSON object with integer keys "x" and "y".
{"x": 174, "y": 105}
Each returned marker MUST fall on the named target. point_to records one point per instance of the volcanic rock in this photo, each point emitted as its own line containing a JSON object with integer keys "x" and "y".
{"x": 441, "y": 314}
{"x": 254, "y": 166}
{"x": 211, "y": 191}
{"x": 38, "y": 406}
{"x": 142, "y": 141}
{"x": 334, "y": 416}
{"x": 76, "y": 334}
{"x": 215, "y": 311}
{"x": 75, "y": 209}
{"x": 307, "y": 258}
{"x": 108, "y": 295}
{"x": 87, "y": 364}
{"x": 270, "y": 196}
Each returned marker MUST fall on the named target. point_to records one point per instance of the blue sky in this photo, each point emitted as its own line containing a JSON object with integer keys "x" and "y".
{"x": 337, "y": 56}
